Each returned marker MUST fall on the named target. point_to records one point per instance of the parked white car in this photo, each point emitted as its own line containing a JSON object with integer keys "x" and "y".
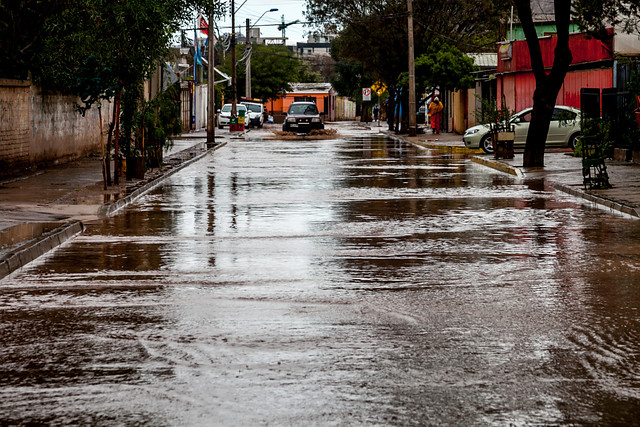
{"x": 564, "y": 130}
{"x": 256, "y": 113}
{"x": 224, "y": 114}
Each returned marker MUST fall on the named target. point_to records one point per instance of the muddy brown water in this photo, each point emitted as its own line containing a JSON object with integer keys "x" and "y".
{"x": 353, "y": 281}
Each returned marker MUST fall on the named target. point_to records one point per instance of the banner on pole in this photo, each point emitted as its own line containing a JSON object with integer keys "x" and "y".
{"x": 202, "y": 24}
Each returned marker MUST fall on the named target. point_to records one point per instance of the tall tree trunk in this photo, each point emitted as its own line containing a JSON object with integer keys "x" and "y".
{"x": 104, "y": 163}
{"x": 547, "y": 85}
{"x": 391, "y": 108}
{"x": 109, "y": 137}
{"x": 116, "y": 166}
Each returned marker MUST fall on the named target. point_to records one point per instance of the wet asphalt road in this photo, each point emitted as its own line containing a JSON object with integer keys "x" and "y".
{"x": 354, "y": 282}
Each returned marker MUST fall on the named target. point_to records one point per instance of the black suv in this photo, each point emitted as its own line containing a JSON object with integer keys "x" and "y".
{"x": 302, "y": 117}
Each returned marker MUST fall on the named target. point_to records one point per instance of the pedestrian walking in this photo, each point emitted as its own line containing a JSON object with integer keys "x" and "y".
{"x": 435, "y": 113}
{"x": 376, "y": 112}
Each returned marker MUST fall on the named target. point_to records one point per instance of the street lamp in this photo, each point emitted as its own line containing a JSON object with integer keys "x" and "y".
{"x": 247, "y": 88}
{"x": 266, "y": 11}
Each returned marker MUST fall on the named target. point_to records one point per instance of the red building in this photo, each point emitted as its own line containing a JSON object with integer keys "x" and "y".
{"x": 592, "y": 67}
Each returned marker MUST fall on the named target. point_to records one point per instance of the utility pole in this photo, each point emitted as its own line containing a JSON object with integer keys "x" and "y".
{"x": 234, "y": 93}
{"x": 412, "y": 73}
{"x": 211, "y": 89}
{"x": 247, "y": 91}
{"x": 247, "y": 86}
{"x": 195, "y": 76}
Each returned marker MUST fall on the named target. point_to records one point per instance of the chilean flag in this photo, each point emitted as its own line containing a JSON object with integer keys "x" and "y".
{"x": 202, "y": 24}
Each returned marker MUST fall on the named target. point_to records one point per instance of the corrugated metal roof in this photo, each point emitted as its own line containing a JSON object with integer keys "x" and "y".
{"x": 543, "y": 11}
{"x": 484, "y": 60}
{"x": 310, "y": 88}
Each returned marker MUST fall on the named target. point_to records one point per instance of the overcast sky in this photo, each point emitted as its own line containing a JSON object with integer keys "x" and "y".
{"x": 252, "y": 9}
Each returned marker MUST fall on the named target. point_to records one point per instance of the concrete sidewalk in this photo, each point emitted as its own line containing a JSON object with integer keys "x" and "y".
{"x": 41, "y": 210}
{"x": 562, "y": 172}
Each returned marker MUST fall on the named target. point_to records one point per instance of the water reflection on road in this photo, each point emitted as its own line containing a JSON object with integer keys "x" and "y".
{"x": 356, "y": 281}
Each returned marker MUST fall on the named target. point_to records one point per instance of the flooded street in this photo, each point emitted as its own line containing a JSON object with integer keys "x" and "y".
{"x": 357, "y": 281}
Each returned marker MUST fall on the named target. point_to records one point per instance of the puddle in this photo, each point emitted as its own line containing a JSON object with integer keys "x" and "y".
{"x": 12, "y": 237}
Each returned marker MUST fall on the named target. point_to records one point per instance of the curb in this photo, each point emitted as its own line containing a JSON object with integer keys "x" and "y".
{"x": 24, "y": 255}
{"x": 111, "y": 208}
{"x": 499, "y": 166}
{"x": 597, "y": 200}
{"x": 446, "y": 148}
{"x": 432, "y": 146}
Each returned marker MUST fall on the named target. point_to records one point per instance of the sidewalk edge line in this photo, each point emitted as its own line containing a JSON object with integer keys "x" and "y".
{"x": 600, "y": 202}
{"x": 110, "y": 209}
{"x": 42, "y": 245}
{"x": 445, "y": 148}
{"x": 499, "y": 166}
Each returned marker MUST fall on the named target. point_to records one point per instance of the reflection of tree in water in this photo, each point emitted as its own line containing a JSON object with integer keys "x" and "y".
{"x": 211, "y": 215}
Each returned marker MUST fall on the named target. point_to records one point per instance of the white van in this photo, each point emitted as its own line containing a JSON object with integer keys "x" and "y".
{"x": 255, "y": 111}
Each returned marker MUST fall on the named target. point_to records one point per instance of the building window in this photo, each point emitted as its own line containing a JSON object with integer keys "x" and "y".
{"x": 304, "y": 99}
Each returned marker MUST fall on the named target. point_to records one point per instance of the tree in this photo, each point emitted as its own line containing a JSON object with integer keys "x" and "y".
{"x": 349, "y": 79}
{"x": 593, "y": 16}
{"x": 273, "y": 68}
{"x": 52, "y": 39}
{"x": 94, "y": 85}
{"x": 320, "y": 68}
{"x": 547, "y": 85}
{"x": 444, "y": 67}
{"x": 373, "y": 33}
{"x": 23, "y": 27}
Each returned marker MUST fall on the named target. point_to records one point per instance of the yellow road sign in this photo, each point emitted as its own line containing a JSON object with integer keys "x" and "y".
{"x": 379, "y": 87}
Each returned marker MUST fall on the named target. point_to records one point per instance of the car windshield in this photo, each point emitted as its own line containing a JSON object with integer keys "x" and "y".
{"x": 227, "y": 108}
{"x": 254, "y": 108}
{"x": 303, "y": 109}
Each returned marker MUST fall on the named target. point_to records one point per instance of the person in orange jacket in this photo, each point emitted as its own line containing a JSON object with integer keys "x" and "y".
{"x": 435, "y": 112}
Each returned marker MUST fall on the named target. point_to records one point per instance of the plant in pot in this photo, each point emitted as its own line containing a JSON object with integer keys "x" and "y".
{"x": 135, "y": 163}
{"x": 501, "y": 129}
{"x": 158, "y": 120}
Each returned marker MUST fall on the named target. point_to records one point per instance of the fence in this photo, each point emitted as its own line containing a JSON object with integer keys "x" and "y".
{"x": 193, "y": 117}
{"x": 38, "y": 128}
{"x": 186, "y": 107}
{"x": 615, "y": 106}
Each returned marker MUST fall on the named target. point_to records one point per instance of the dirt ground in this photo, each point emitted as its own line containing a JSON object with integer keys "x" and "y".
{"x": 313, "y": 135}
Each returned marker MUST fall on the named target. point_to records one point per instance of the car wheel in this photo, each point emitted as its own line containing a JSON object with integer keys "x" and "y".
{"x": 487, "y": 144}
{"x": 220, "y": 126}
{"x": 573, "y": 140}
{"x": 285, "y": 128}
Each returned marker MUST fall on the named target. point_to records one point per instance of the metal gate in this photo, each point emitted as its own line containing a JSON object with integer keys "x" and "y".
{"x": 186, "y": 107}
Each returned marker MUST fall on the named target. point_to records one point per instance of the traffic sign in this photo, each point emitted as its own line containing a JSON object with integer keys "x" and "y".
{"x": 366, "y": 94}
{"x": 379, "y": 87}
